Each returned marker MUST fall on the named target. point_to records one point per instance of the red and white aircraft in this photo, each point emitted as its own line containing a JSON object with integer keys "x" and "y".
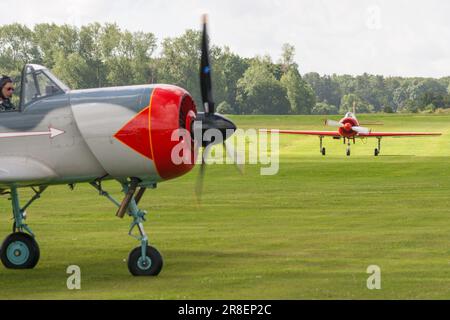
{"x": 349, "y": 129}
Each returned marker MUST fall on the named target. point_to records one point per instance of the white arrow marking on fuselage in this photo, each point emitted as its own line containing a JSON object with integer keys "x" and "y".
{"x": 52, "y": 132}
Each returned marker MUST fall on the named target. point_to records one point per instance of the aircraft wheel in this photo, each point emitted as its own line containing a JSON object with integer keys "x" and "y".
{"x": 19, "y": 251}
{"x": 348, "y": 152}
{"x": 323, "y": 151}
{"x": 151, "y": 266}
{"x": 377, "y": 152}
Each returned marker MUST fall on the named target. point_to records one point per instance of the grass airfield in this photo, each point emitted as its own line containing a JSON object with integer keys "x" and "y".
{"x": 309, "y": 232}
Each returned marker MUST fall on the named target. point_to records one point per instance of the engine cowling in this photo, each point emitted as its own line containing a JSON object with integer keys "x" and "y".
{"x": 172, "y": 109}
{"x": 132, "y": 130}
{"x": 346, "y": 130}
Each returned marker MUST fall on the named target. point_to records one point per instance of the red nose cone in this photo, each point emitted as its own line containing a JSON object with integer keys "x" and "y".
{"x": 348, "y": 126}
{"x": 171, "y": 109}
{"x": 152, "y": 132}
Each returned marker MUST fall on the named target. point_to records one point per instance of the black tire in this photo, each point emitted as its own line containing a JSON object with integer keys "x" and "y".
{"x": 136, "y": 267}
{"x": 20, "y": 251}
{"x": 323, "y": 151}
{"x": 348, "y": 152}
{"x": 376, "y": 153}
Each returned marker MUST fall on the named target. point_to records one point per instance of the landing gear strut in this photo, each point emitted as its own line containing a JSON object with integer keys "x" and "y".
{"x": 20, "y": 249}
{"x": 322, "y": 149}
{"x": 143, "y": 260}
{"x": 348, "y": 140}
{"x": 378, "y": 150}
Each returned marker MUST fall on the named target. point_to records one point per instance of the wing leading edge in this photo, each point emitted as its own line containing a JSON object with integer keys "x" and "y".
{"x": 368, "y": 135}
{"x": 399, "y": 134}
{"x": 306, "y": 132}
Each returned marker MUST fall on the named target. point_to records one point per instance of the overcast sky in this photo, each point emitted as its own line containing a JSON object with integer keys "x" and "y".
{"x": 390, "y": 37}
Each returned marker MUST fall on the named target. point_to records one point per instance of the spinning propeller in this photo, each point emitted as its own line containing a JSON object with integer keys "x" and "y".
{"x": 210, "y": 119}
{"x": 347, "y": 126}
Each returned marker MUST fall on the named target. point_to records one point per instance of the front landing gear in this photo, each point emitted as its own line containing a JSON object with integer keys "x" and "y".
{"x": 20, "y": 250}
{"x": 151, "y": 265}
{"x": 143, "y": 260}
{"x": 348, "y": 140}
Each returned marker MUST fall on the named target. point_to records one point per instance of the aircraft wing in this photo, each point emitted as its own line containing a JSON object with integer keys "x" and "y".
{"x": 399, "y": 134}
{"x": 306, "y": 132}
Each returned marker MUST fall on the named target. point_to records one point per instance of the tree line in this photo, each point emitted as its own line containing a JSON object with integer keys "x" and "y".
{"x": 101, "y": 55}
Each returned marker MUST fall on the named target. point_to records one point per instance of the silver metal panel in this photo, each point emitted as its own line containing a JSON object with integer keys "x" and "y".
{"x": 65, "y": 156}
{"x": 21, "y": 169}
{"x": 99, "y": 121}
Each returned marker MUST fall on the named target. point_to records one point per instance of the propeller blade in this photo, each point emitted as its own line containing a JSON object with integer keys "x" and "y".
{"x": 207, "y": 120}
{"x": 205, "y": 71}
{"x": 333, "y": 123}
{"x": 233, "y": 155}
{"x": 370, "y": 123}
{"x": 361, "y": 130}
{"x": 200, "y": 177}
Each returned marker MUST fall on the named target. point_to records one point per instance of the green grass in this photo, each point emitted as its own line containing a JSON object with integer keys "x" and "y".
{"x": 309, "y": 232}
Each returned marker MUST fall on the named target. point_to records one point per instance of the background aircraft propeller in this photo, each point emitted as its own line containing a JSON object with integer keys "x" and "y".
{"x": 361, "y": 130}
{"x": 333, "y": 123}
{"x": 347, "y": 126}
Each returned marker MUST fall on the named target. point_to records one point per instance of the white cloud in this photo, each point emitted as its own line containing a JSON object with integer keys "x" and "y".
{"x": 388, "y": 37}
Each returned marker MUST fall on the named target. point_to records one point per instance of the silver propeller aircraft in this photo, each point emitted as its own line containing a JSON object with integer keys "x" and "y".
{"x": 62, "y": 136}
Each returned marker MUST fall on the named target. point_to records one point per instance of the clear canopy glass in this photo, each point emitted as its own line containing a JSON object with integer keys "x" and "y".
{"x": 37, "y": 83}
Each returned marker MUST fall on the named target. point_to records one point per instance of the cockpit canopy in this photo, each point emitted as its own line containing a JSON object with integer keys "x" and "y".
{"x": 38, "y": 83}
{"x": 349, "y": 115}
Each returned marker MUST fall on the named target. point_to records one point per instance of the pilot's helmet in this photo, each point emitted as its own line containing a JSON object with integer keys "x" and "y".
{"x": 4, "y": 80}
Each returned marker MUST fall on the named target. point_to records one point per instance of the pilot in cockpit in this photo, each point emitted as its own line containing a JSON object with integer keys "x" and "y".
{"x": 349, "y": 115}
{"x": 6, "y": 92}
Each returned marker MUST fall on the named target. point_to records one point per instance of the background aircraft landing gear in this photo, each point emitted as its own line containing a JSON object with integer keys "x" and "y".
{"x": 377, "y": 150}
{"x": 322, "y": 149}
{"x": 20, "y": 250}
